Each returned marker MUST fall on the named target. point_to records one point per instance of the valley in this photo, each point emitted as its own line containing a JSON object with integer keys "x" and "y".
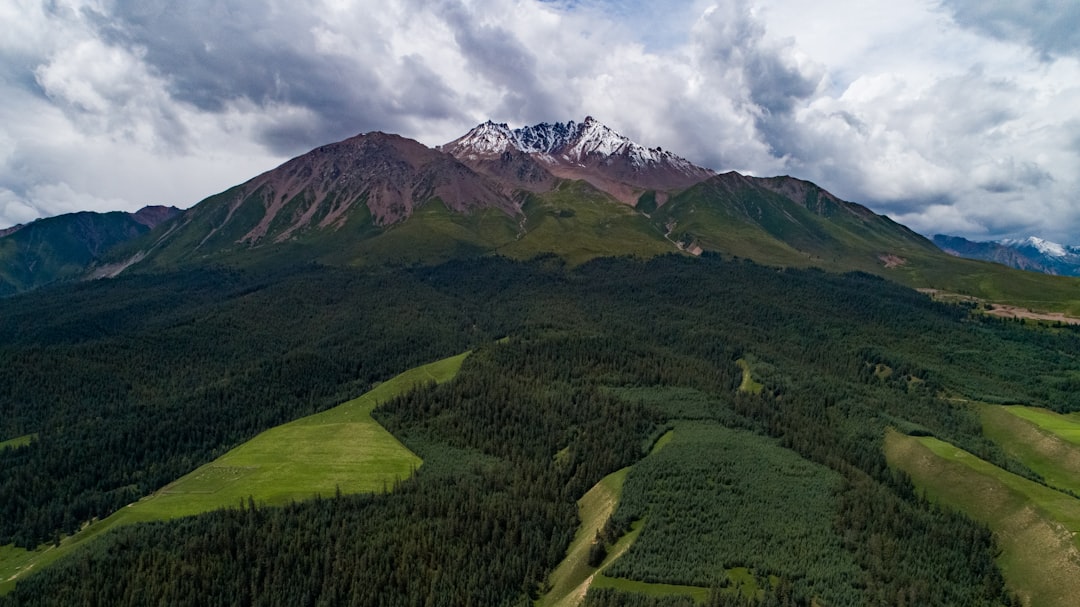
{"x": 657, "y": 385}
{"x": 789, "y": 375}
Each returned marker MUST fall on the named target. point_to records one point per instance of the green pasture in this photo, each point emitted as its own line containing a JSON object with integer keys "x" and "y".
{"x": 18, "y": 441}
{"x": 1065, "y": 426}
{"x": 571, "y": 579}
{"x": 1047, "y": 442}
{"x": 1033, "y": 524}
{"x": 697, "y": 593}
{"x": 342, "y": 449}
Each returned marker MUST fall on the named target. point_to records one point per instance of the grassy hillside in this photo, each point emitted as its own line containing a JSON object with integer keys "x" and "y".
{"x": 59, "y": 248}
{"x": 571, "y": 579}
{"x": 1047, "y": 442}
{"x": 786, "y": 222}
{"x": 748, "y": 217}
{"x": 339, "y": 451}
{"x": 1035, "y": 526}
{"x": 579, "y": 223}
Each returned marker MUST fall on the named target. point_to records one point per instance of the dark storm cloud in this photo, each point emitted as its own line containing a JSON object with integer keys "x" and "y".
{"x": 1051, "y": 27}
{"x": 215, "y": 53}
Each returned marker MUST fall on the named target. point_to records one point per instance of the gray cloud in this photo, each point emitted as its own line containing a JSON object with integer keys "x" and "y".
{"x": 505, "y": 62}
{"x": 763, "y": 76}
{"x": 213, "y": 54}
{"x": 1052, "y": 27}
{"x": 122, "y": 103}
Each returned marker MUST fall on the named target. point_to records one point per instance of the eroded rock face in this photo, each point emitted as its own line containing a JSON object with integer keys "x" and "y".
{"x": 389, "y": 175}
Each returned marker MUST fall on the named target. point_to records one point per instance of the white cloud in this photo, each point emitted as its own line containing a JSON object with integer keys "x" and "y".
{"x": 930, "y": 111}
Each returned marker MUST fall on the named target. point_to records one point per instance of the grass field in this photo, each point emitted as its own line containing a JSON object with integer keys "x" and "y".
{"x": 1033, "y": 524}
{"x": 573, "y": 577}
{"x": 342, "y": 448}
{"x": 18, "y": 441}
{"x": 1047, "y": 442}
{"x": 1065, "y": 426}
{"x": 695, "y": 592}
{"x": 748, "y": 384}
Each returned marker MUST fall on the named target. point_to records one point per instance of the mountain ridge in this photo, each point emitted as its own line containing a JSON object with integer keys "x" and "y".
{"x": 62, "y": 247}
{"x": 1031, "y": 254}
{"x": 586, "y": 150}
{"x": 577, "y": 190}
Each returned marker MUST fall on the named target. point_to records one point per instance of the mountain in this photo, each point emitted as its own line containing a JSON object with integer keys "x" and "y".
{"x": 551, "y": 188}
{"x": 786, "y": 221}
{"x": 329, "y": 201}
{"x": 62, "y": 247}
{"x": 1032, "y": 254}
{"x": 588, "y": 150}
{"x": 578, "y": 190}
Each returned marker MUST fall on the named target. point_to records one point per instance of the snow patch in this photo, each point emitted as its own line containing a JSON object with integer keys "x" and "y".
{"x": 1046, "y": 247}
{"x": 575, "y": 142}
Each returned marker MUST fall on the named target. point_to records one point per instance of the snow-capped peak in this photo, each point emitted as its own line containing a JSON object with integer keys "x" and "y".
{"x": 487, "y": 139}
{"x": 1046, "y": 247}
{"x": 570, "y": 142}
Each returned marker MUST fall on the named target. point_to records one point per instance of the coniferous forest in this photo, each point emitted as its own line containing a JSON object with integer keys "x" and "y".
{"x": 129, "y": 383}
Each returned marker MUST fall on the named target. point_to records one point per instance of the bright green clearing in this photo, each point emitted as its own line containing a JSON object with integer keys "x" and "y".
{"x": 1047, "y": 442}
{"x": 573, "y": 577}
{"x": 697, "y": 593}
{"x": 1065, "y": 426}
{"x": 18, "y": 441}
{"x": 748, "y": 384}
{"x": 1033, "y": 525}
{"x": 342, "y": 448}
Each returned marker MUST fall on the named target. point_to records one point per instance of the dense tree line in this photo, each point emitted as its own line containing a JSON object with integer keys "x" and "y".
{"x": 129, "y": 385}
{"x": 482, "y": 522}
{"x": 716, "y": 499}
{"x": 156, "y": 375}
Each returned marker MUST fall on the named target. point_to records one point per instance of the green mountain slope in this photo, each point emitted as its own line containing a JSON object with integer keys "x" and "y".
{"x": 789, "y": 222}
{"x": 379, "y": 199}
{"x": 62, "y": 247}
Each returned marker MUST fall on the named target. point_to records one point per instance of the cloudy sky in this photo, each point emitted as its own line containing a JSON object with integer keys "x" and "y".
{"x": 951, "y": 116}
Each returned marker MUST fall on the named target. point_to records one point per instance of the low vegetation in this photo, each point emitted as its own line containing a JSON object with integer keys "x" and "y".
{"x": 1034, "y": 525}
{"x": 1045, "y": 441}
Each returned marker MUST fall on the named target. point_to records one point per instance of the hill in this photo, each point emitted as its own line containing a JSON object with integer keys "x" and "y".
{"x": 63, "y": 247}
{"x": 338, "y": 451}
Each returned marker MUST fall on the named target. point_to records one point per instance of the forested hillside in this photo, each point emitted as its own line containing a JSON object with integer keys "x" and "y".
{"x": 129, "y": 383}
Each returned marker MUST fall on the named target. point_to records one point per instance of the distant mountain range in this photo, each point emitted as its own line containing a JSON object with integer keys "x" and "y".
{"x": 1033, "y": 254}
{"x": 578, "y": 190}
